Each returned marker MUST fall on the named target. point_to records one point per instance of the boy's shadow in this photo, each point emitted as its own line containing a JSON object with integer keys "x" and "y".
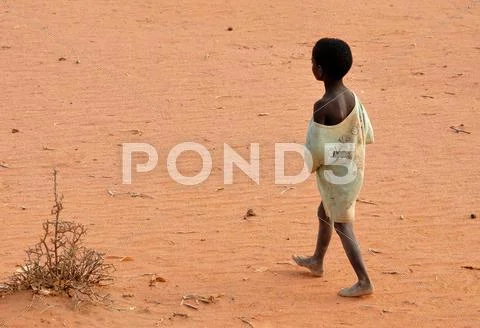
{"x": 292, "y": 273}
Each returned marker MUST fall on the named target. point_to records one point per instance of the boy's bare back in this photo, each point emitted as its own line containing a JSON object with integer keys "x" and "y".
{"x": 333, "y": 109}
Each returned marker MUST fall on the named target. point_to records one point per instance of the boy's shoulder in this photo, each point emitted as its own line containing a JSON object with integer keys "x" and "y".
{"x": 319, "y": 112}
{"x": 320, "y": 103}
{"x": 347, "y": 96}
{"x": 333, "y": 109}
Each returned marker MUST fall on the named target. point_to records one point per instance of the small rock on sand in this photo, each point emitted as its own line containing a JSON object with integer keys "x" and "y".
{"x": 249, "y": 213}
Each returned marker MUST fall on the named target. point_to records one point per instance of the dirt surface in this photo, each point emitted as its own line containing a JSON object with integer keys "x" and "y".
{"x": 166, "y": 72}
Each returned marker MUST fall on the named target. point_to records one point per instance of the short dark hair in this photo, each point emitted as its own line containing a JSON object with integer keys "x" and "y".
{"x": 334, "y": 56}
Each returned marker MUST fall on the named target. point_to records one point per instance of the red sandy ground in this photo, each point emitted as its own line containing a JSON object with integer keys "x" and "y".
{"x": 171, "y": 70}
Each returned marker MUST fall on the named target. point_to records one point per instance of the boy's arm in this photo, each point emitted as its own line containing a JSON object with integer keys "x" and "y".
{"x": 311, "y": 153}
{"x": 367, "y": 127}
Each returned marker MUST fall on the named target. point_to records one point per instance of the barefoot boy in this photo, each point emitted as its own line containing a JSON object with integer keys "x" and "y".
{"x": 336, "y": 138}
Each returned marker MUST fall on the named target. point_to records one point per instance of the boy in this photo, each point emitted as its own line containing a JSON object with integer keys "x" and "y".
{"x": 336, "y": 138}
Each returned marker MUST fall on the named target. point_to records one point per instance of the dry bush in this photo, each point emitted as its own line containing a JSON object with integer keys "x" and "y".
{"x": 59, "y": 263}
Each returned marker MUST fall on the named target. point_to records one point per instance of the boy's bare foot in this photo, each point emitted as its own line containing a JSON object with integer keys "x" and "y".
{"x": 310, "y": 263}
{"x": 357, "y": 290}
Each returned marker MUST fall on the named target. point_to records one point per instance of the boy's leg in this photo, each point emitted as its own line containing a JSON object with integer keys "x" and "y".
{"x": 315, "y": 263}
{"x": 350, "y": 244}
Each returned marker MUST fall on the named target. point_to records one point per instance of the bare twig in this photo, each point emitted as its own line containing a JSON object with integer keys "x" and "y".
{"x": 286, "y": 262}
{"x": 374, "y": 251}
{"x": 203, "y": 299}
{"x": 247, "y": 321}
{"x": 140, "y": 195}
{"x": 457, "y": 130}
{"x": 180, "y": 314}
{"x": 135, "y": 132}
{"x": 190, "y": 305}
{"x": 286, "y": 189}
{"x": 56, "y": 209}
{"x": 366, "y": 201}
{"x": 132, "y": 194}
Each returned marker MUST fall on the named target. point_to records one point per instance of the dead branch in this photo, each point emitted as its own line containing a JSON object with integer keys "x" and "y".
{"x": 60, "y": 263}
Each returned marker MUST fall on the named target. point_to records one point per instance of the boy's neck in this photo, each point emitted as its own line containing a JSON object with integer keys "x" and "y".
{"x": 333, "y": 87}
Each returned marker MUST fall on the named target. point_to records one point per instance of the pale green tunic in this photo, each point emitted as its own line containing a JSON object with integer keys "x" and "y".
{"x": 338, "y": 159}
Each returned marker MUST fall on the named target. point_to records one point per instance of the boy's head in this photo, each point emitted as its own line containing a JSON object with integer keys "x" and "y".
{"x": 331, "y": 59}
